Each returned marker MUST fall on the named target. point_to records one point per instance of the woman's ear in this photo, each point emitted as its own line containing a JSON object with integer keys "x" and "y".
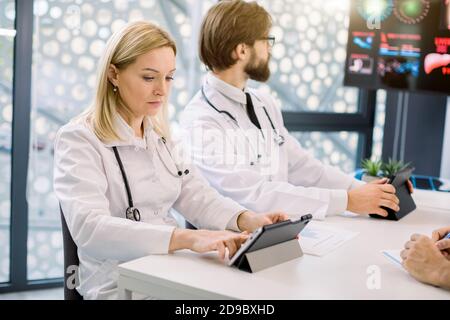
{"x": 113, "y": 75}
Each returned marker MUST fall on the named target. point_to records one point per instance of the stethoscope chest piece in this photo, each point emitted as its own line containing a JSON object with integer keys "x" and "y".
{"x": 133, "y": 214}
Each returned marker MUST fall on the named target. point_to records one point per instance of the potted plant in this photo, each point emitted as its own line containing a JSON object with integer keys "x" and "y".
{"x": 372, "y": 169}
{"x": 392, "y": 167}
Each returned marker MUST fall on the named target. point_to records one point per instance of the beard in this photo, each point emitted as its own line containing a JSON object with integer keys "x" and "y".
{"x": 258, "y": 70}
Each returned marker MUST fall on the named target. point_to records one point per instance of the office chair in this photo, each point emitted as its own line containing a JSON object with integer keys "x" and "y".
{"x": 70, "y": 259}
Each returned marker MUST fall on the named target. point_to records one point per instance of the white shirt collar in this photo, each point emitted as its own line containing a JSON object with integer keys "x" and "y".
{"x": 126, "y": 133}
{"x": 226, "y": 89}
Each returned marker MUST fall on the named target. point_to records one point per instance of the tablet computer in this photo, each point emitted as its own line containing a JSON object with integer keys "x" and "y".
{"x": 270, "y": 235}
{"x": 401, "y": 177}
{"x": 399, "y": 181}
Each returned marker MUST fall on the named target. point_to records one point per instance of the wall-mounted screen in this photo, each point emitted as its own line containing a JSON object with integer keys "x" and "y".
{"x": 399, "y": 44}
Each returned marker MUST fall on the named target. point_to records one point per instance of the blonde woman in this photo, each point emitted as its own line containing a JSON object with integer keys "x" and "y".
{"x": 116, "y": 175}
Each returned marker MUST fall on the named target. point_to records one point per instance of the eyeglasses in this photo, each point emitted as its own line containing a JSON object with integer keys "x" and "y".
{"x": 270, "y": 40}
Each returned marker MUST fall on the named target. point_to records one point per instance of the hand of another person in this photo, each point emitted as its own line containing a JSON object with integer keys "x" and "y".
{"x": 423, "y": 260}
{"x": 441, "y": 243}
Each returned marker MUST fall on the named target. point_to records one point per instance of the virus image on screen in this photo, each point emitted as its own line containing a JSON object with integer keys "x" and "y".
{"x": 370, "y": 9}
{"x": 411, "y": 11}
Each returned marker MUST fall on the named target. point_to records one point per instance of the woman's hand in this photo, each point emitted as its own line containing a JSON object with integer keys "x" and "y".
{"x": 250, "y": 221}
{"x": 201, "y": 241}
{"x": 220, "y": 241}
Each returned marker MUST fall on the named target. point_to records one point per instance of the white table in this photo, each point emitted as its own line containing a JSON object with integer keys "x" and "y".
{"x": 341, "y": 274}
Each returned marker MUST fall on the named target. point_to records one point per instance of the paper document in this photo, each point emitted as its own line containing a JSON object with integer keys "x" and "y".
{"x": 318, "y": 240}
{"x": 394, "y": 257}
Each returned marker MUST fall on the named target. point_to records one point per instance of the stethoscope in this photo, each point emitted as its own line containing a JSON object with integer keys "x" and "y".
{"x": 279, "y": 139}
{"x": 133, "y": 213}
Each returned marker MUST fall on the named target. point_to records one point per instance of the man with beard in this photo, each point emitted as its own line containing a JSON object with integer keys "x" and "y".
{"x": 237, "y": 137}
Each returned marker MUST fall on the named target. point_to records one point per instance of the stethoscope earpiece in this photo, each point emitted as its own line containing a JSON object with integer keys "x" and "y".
{"x": 179, "y": 172}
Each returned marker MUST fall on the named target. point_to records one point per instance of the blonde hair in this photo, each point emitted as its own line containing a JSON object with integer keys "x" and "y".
{"x": 122, "y": 49}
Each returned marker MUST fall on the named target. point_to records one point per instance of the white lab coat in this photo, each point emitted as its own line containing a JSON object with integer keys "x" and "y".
{"x": 296, "y": 183}
{"x": 90, "y": 188}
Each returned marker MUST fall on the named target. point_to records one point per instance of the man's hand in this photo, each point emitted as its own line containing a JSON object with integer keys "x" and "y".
{"x": 371, "y": 197}
{"x": 250, "y": 221}
{"x": 423, "y": 260}
{"x": 410, "y": 186}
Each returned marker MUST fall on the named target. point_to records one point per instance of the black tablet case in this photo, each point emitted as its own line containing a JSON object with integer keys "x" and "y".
{"x": 407, "y": 204}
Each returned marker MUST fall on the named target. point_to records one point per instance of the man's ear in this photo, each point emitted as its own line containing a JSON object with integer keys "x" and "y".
{"x": 113, "y": 75}
{"x": 240, "y": 52}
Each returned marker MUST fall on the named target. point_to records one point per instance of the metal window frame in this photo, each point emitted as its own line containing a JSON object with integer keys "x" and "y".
{"x": 23, "y": 52}
{"x": 362, "y": 122}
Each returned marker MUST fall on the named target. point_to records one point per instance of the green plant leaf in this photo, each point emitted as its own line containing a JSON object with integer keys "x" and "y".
{"x": 372, "y": 168}
{"x": 392, "y": 167}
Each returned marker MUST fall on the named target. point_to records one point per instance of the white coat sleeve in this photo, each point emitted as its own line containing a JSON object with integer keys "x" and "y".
{"x": 305, "y": 170}
{"x": 80, "y": 185}
{"x": 250, "y": 188}
{"x": 203, "y": 206}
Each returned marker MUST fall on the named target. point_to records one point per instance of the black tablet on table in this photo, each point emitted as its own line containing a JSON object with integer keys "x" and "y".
{"x": 407, "y": 205}
{"x": 270, "y": 235}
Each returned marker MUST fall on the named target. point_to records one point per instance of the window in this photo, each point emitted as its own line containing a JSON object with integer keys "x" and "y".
{"x": 307, "y": 67}
{"x": 7, "y": 33}
{"x": 309, "y": 55}
{"x": 69, "y": 39}
{"x": 334, "y": 148}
